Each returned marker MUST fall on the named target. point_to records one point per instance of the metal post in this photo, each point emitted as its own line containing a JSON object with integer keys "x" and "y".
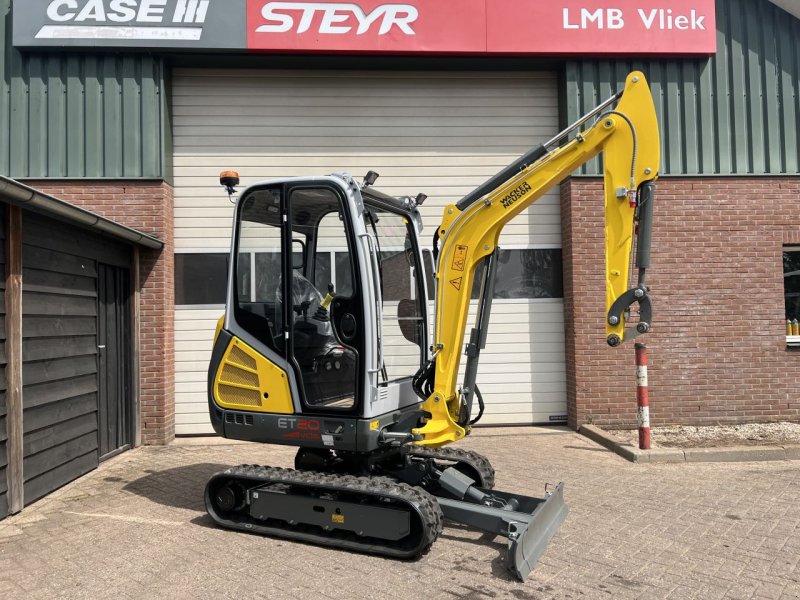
{"x": 642, "y": 398}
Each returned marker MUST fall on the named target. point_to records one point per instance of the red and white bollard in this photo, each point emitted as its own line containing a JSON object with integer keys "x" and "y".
{"x": 642, "y": 398}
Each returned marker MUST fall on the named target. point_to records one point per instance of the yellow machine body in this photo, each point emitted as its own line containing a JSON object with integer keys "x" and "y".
{"x": 469, "y": 236}
{"x": 247, "y": 381}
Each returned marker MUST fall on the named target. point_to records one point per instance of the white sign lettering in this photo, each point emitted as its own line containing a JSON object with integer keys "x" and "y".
{"x": 56, "y": 13}
{"x": 602, "y": 19}
{"x": 151, "y": 11}
{"x": 92, "y": 10}
{"x": 614, "y": 18}
{"x": 283, "y": 16}
{"x": 122, "y": 11}
{"x": 667, "y": 21}
{"x": 127, "y": 11}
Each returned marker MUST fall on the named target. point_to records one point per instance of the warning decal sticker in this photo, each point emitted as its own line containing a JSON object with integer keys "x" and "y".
{"x": 460, "y": 258}
{"x": 456, "y": 283}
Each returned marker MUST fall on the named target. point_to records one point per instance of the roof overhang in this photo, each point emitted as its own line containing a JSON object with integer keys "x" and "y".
{"x": 21, "y": 195}
{"x": 790, "y": 6}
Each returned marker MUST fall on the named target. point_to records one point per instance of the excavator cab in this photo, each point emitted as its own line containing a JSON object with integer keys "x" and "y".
{"x": 326, "y": 314}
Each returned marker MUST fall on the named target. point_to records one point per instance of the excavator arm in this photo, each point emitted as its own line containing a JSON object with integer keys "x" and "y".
{"x": 627, "y": 136}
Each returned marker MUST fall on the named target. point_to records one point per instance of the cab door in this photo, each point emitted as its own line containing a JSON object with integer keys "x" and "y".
{"x": 326, "y": 317}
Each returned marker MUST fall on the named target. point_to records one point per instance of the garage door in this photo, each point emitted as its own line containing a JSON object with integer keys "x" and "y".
{"x": 441, "y": 133}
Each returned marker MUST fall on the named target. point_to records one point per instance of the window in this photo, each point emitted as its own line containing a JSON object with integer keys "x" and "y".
{"x": 322, "y": 271}
{"x": 402, "y": 308}
{"x": 324, "y": 350}
{"x": 534, "y": 273}
{"x": 201, "y": 279}
{"x": 259, "y": 306}
{"x": 333, "y": 257}
{"x": 527, "y": 273}
{"x": 791, "y": 284}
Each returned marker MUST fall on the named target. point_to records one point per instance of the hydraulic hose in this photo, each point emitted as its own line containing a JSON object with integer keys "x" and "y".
{"x": 423, "y": 380}
{"x": 481, "y": 406}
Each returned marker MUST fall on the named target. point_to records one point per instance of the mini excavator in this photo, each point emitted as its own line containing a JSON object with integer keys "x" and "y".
{"x": 325, "y": 344}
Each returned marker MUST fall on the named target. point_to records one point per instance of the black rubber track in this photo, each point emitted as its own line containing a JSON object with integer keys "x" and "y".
{"x": 377, "y": 491}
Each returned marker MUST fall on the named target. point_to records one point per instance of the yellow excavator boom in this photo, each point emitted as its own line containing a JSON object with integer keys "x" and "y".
{"x": 627, "y": 135}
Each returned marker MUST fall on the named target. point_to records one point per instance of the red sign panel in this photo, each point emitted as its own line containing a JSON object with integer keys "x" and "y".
{"x": 601, "y": 27}
{"x": 511, "y": 27}
{"x": 367, "y": 26}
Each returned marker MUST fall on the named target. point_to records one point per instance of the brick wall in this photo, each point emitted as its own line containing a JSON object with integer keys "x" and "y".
{"x": 148, "y": 207}
{"x": 717, "y": 351}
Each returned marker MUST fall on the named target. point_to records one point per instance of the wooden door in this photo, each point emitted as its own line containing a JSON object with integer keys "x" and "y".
{"x": 115, "y": 413}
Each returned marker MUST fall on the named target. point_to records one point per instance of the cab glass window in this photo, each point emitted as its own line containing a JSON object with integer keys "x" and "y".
{"x": 259, "y": 306}
{"x": 402, "y": 310}
{"x": 324, "y": 335}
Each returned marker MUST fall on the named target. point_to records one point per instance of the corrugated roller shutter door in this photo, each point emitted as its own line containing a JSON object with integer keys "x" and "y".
{"x": 441, "y": 133}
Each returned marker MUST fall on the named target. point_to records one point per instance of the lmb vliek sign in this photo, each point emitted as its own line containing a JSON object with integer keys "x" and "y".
{"x": 467, "y": 27}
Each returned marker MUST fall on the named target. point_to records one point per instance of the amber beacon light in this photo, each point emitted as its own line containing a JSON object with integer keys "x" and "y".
{"x": 229, "y": 180}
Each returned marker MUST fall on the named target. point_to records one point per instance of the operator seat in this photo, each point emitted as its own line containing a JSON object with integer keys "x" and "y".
{"x": 328, "y": 368}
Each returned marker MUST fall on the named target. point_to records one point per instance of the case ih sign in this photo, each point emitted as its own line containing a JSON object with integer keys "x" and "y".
{"x": 506, "y": 27}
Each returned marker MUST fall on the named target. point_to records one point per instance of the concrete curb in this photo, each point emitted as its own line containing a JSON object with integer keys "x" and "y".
{"x": 690, "y": 455}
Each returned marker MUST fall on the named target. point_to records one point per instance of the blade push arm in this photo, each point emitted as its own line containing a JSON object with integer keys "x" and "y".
{"x": 470, "y": 230}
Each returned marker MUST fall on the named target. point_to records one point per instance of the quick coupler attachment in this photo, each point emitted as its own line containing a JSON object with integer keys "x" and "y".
{"x": 622, "y": 304}
{"x": 528, "y": 523}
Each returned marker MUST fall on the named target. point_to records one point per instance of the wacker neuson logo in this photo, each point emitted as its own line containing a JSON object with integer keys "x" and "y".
{"x": 125, "y": 19}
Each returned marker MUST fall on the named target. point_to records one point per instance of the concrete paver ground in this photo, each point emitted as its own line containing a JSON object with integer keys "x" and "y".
{"x": 136, "y": 528}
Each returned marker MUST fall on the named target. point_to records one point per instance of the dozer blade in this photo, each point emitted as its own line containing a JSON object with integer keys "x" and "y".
{"x": 529, "y": 525}
{"x": 525, "y": 550}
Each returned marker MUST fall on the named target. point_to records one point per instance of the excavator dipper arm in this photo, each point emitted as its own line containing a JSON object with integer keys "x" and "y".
{"x": 627, "y": 135}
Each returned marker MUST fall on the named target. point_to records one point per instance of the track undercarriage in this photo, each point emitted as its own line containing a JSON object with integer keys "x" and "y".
{"x": 390, "y": 505}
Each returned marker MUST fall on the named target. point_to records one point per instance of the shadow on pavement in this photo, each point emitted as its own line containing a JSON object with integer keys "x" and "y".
{"x": 181, "y": 487}
{"x": 587, "y": 449}
{"x": 458, "y": 533}
{"x": 500, "y": 568}
{"x": 205, "y": 521}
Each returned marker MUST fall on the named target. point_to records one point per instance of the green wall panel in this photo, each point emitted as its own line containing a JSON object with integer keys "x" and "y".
{"x": 81, "y": 115}
{"x": 737, "y": 113}
{"x": 105, "y": 116}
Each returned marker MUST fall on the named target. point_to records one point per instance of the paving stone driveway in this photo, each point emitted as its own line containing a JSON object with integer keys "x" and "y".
{"x": 136, "y": 528}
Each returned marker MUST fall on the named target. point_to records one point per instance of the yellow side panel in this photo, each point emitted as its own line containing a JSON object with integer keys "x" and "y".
{"x": 218, "y": 330}
{"x": 247, "y": 381}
